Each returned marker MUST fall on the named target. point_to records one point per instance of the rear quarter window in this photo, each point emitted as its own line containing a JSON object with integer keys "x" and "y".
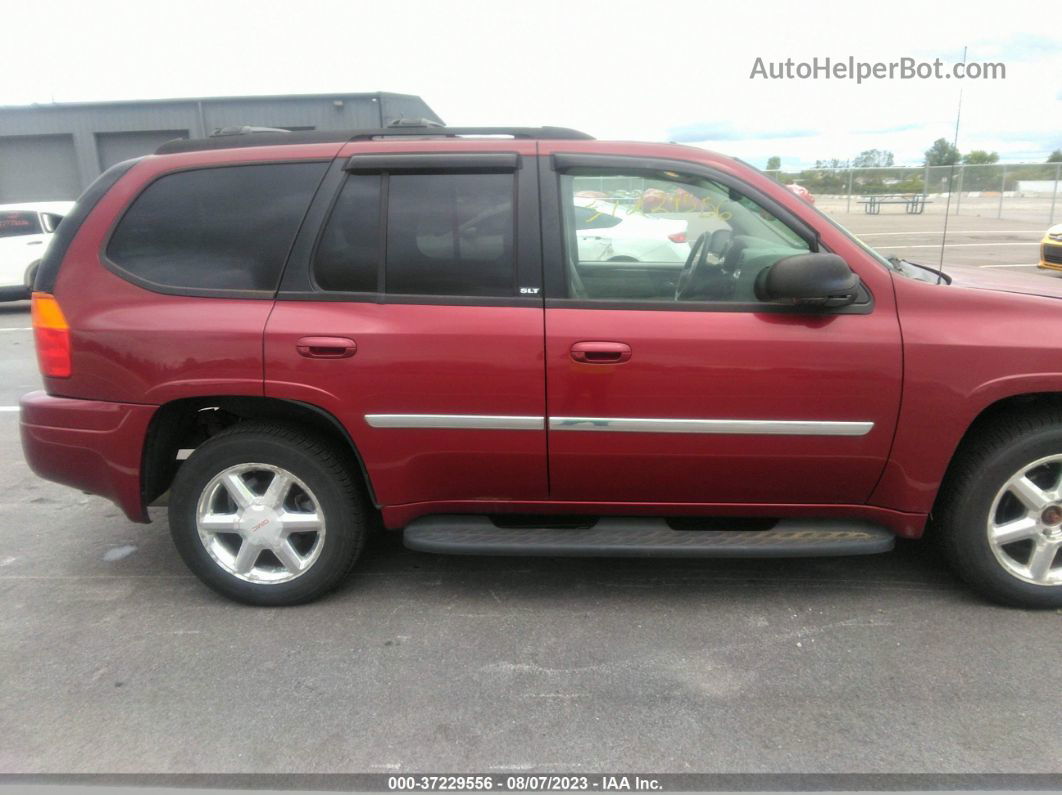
{"x": 225, "y": 228}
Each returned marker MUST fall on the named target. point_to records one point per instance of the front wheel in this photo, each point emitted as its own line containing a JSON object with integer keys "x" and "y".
{"x": 267, "y": 514}
{"x": 1001, "y": 512}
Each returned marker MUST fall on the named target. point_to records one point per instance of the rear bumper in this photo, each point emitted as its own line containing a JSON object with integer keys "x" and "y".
{"x": 92, "y": 445}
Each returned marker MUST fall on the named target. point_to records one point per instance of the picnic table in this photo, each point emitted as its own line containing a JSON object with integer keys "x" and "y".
{"x": 914, "y": 203}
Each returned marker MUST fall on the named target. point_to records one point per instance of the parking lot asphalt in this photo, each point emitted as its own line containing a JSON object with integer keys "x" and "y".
{"x": 114, "y": 658}
{"x": 971, "y": 240}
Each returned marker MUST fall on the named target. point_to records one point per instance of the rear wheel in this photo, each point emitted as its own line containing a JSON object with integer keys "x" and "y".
{"x": 267, "y": 514}
{"x": 1001, "y": 512}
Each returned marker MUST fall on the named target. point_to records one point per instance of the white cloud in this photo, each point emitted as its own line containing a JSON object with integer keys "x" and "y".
{"x": 617, "y": 69}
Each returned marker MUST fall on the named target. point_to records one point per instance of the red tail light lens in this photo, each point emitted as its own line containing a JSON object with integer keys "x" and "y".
{"x": 52, "y": 335}
{"x": 678, "y": 237}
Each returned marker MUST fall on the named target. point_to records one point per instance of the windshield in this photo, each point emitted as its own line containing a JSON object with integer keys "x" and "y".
{"x": 19, "y": 222}
{"x": 912, "y": 270}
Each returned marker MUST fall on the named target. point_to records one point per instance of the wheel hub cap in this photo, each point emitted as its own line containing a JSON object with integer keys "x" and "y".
{"x": 260, "y": 523}
{"x": 1052, "y": 515}
{"x": 1025, "y": 523}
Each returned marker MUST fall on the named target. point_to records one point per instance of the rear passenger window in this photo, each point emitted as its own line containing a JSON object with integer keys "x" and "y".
{"x": 447, "y": 234}
{"x": 450, "y": 234}
{"x": 225, "y": 228}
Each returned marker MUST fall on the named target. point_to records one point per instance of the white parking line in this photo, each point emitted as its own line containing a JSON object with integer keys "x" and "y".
{"x": 1015, "y": 265}
{"x": 966, "y": 245}
{"x": 8, "y": 408}
{"x": 19, "y": 328}
{"x": 953, "y": 232}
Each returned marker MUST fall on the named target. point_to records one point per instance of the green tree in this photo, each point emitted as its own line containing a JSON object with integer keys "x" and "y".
{"x": 873, "y": 158}
{"x": 1055, "y": 156}
{"x": 774, "y": 163}
{"x": 941, "y": 153}
{"x": 979, "y": 157}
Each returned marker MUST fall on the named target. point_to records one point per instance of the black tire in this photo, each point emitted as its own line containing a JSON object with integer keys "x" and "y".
{"x": 31, "y": 276}
{"x": 314, "y": 460}
{"x": 982, "y": 467}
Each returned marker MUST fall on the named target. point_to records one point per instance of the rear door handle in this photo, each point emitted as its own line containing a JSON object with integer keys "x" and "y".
{"x": 601, "y": 352}
{"x": 326, "y": 347}
{"x": 35, "y": 243}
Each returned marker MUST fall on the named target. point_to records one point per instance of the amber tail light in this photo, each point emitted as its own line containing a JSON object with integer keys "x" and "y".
{"x": 52, "y": 335}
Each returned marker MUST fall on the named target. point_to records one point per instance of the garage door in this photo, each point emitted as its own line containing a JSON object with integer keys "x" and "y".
{"x": 38, "y": 168}
{"x": 116, "y": 147}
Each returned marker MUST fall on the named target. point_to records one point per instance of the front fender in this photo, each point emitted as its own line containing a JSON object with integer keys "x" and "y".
{"x": 965, "y": 350}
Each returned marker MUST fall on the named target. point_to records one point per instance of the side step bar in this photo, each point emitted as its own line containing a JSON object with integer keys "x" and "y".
{"x": 647, "y": 537}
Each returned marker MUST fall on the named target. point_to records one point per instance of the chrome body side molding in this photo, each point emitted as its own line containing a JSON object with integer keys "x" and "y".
{"x": 457, "y": 421}
{"x": 497, "y": 422}
{"x": 740, "y": 427}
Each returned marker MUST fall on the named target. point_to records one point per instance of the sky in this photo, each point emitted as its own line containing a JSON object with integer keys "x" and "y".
{"x": 651, "y": 70}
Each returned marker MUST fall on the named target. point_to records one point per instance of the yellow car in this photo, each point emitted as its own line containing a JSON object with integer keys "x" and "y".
{"x": 1051, "y": 249}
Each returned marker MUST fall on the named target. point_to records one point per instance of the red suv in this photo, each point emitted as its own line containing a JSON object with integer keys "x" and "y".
{"x": 528, "y": 342}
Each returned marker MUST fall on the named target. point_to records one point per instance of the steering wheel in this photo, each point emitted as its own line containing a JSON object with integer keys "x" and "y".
{"x": 732, "y": 259}
{"x": 694, "y": 262}
{"x": 701, "y": 280}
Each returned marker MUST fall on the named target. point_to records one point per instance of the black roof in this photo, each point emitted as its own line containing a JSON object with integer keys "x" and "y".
{"x": 230, "y": 140}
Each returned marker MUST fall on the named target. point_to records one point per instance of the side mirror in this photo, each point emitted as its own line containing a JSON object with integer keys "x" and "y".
{"x": 812, "y": 279}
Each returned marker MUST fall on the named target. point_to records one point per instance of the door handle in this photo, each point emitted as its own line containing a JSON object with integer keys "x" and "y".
{"x": 35, "y": 243}
{"x": 601, "y": 352}
{"x": 326, "y": 347}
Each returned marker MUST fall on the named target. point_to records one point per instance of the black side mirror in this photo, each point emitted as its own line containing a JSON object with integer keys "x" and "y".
{"x": 813, "y": 279}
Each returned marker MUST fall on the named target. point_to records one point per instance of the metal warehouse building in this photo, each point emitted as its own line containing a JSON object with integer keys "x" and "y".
{"x": 52, "y": 152}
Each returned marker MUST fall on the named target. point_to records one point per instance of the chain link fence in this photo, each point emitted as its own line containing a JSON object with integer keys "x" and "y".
{"x": 1016, "y": 191}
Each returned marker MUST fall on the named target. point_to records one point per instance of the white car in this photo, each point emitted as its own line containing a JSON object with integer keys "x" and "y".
{"x": 25, "y": 230}
{"x": 609, "y": 232}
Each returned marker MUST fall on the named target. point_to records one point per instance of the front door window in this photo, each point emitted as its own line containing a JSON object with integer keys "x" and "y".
{"x": 660, "y": 236}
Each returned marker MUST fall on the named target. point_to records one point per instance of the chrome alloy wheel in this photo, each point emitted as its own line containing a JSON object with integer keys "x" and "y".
{"x": 1025, "y": 523}
{"x": 260, "y": 523}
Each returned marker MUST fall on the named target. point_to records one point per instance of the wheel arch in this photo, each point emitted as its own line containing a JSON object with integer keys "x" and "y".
{"x": 935, "y": 427}
{"x": 992, "y": 413}
{"x": 187, "y": 422}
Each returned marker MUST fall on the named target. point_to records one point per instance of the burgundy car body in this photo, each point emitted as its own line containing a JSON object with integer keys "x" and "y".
{"x": 921, "y": 365}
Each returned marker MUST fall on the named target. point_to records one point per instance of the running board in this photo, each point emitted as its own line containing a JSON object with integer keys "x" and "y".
{"x": 647, "y": 537}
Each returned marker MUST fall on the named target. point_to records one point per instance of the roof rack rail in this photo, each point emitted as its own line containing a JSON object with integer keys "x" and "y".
{"x": 245, "y": 129}
{"x": 421, "y": 122}
{"x": 238, "y": 137}
{"x": 540, "y": 133}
